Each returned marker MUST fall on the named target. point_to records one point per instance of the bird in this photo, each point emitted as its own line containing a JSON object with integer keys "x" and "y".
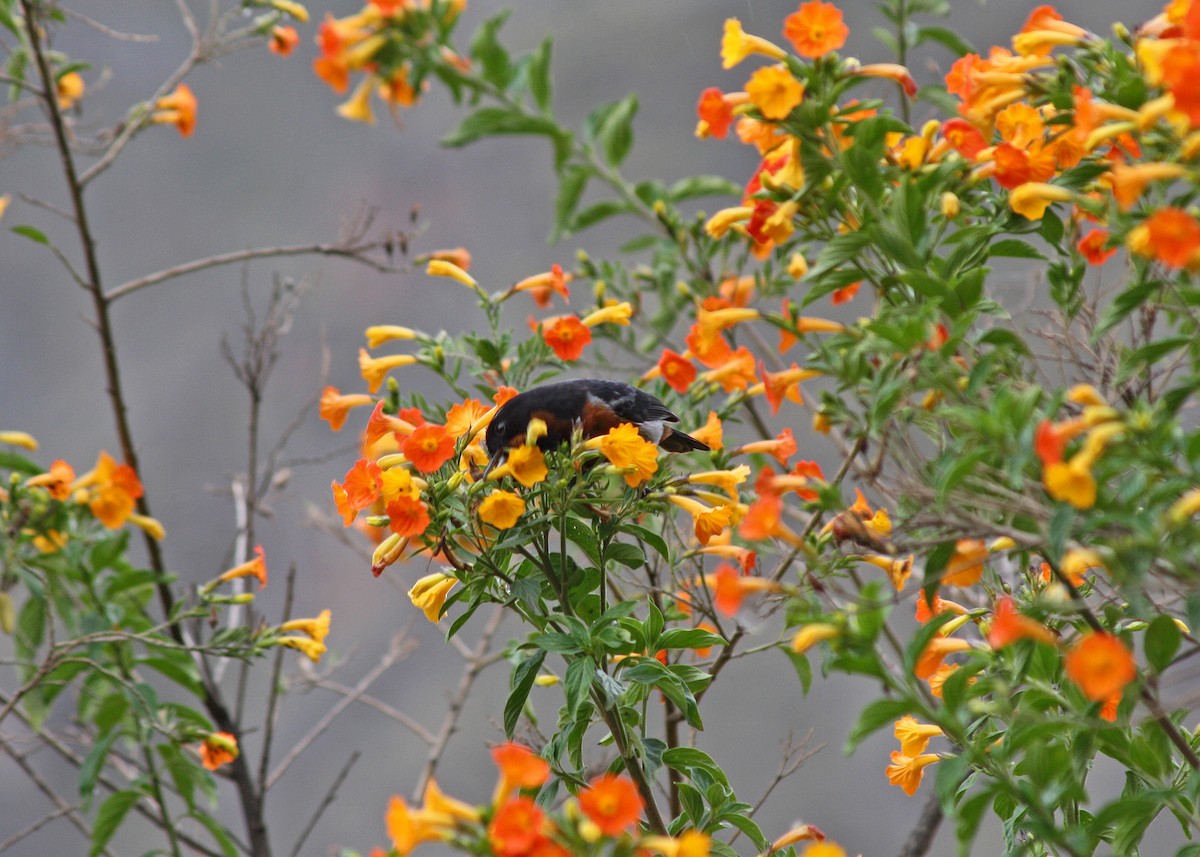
{"x": 596, "y": 406}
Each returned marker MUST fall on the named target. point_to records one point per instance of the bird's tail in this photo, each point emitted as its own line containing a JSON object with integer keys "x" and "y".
{"x": 676, "y": 441}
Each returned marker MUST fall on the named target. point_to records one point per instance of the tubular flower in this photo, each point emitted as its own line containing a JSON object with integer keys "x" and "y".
{"x": 1101, "y": 665}
{"x": 283, "y": 40}
{"x": 778, "y": 386}
{"x": 618, "y": 313}
{"x": 716, "y": 113}
{"x": 813, "y": 633}
{"x": 913, "y": 736}
{"x": 612, "y": 803}
{"x": 774, "y": 91}
{"x": 520, "y": 768}
{"x": 526, "y": 464}
{"x": 467, "y": 417}
{"x": 377, "y": 334}
{"x": 307, "y": 646}
{"x": 907, "y": 771}
{"x": 721, "y": 222}
{"x": 1009, "y": 625}
{"x": 178, "y": 109}
{"x": 375, "y": 369}
{"x": 736, "y": 373}
{"x": 815, "y": 29}
{"x": 736, "y": 45}
{"x": 501, "y": 509}
{"x": 542, "y": 286}
{"x": 711, "y": 432}
{"x": 256, "y": 568}
{"x": 217, "y": 749}
{"x": 707, "y": 521}
{"x": 22, "y": 439}
{"x": 446, "y": 268}
{"x": 362, "y": 484}
{"x": 112, "y": 491}
{"x": 335, "y": 406}
{"x": 57, "y": 480}
{"x": 690, "y": 843}
{"x": 317, "y": 628}
{"x": 764, "y": 520}
{"x": 710, "y": 323}
{"x": 730, "y": 588}
{"x": 1030, "y": 200}
{"x": 727, "y": 480}
{"x": 935, "y": 652}
{"x": 567, "y": 337}
{"x": 965, "y": 567}
{"x": 782, "y": 446}
{"x": 428, "y": 447}
{"x": 890, "y": 71}
{"x": 1094, "y": 247}
{"x": 387, "y": 552}
{"x": 627, "y": 450}
{"x": 429, "y": 593}
{"x": 898, "y": 569}
{"x": 1129, "y": 181}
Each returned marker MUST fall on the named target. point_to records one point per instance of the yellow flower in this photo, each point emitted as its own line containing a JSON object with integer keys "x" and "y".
{"x": 913, "y": 736}
{"x": 69, "y": 89}
{"x": 378, "y": 334}
{"x": 628, "y": 451}
{"x": 501, "y": 509}
{"x": 292, "y": 8}
{"x": 774, "y": 91}
{"x": 1184, "y": 508}
{"x": 736, "y": 45}
{"x": 375, "y": 369}
{"x": 307, "y": 646}
{"x": 429, "y": 593}
{"x": 617, "y": 314}
{"x": 19, "y": 438}
{"x": 1071, "y": 481}
{"x": 810, "y": 635}
{"x": 907, "y": 771}
{"x": 357, "y": 108}
{"x": 898, "y": 570}
{"x": 1030, "y": 200}
{"x": 317, "y": 628}
{"x": 442, "y": 268}
{"x": 720, "y": 223}
{"x": 727, "y": 480}
{"x": 526, "y": 464}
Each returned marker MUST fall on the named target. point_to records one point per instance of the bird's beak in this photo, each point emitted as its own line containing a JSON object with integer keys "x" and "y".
{"x": 496, "y": 458}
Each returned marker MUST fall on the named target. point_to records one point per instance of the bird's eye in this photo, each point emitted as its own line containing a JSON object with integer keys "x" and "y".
{"x": 499, "y": 427}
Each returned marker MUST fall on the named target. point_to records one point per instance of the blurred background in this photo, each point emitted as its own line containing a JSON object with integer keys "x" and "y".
{"x": 270, "y": 163}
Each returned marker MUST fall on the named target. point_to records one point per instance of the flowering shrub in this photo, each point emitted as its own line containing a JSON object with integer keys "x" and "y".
{"x": 1053, "y": 513}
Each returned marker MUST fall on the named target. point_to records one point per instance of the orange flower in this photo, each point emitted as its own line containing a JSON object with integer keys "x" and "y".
{"x": 256, "y": 568}
{"x": 1101, "y": 665}
{"x": 113, "y": 490}
{"x": 846, "y": 293}
{"x": 1016, "y": 166}
{"x": 178, "y": 109}
{"x": 815, "y": 29}
{"x": 764, "y": 520}
{"x": 57, "y": 480}
{"x": 774, "y": 91}
{"x": 69, "y": 89}
{"x": 520, "y": 768}
{"x": 1094, "y": 247}
{"x": 935, "y": 652}
{"x": 219, "y": 748}
{"x": 963, "y": 137}
{"x": 463, "y": 417}
{"x": 517, "y": 828}
{"x": 612, "y": 803}
{"x": 283, "y": 40}
{"x": 707, "y": 346}
{"x": 778, "y": 386}
{"x": 334, "y": 406}
{"x": 1009, "y": 625}
{"x": 708, "y": 522}
{"x": 407, "y": 516}
{"x": 375, "y": 369}
{"x": 428, "y": 447}
{"x": 567, "y": 337}
{"x": 966, "y": 565}
{"x": 913, "y": 735}
{"x": 542, "y": 286}
{"x": 908, "y": 771}
{"x": 711, "y": 432}
{"x": 362, "y": 484}
{"x": 1170, "y": 235}
{"x": 782, "y": 446}
{"x": 715, "y": 112}
{"x": 736, "y": 373}
{"x": 898, "y": 569}
{"x": 676, "y": 370}
{"x": 1181, "y": 78}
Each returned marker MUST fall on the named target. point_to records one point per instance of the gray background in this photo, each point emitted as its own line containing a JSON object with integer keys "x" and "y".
{"x": 270, "y": 163}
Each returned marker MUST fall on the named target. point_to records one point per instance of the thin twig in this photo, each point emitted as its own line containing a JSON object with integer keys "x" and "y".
{"x": 326, "y": 802}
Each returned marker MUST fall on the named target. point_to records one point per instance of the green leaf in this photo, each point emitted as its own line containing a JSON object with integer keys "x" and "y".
{"x": 945, "y": 37}
{"x": 540, "y": 85}
{"x": 802, "y": 667}
{"x": 688, "y": 760}
{"x": 689, "y": 638}
{"x": 584, "y": 536}
{"x": 31, "y": 233}
{"x": 597, "y": 212}
{"x": 577, "y": 684}
{"x": 491, "y": 55}
{"x": 653, "y": 627}
{"x": 614, "y": 129}
{"x": 571, "y": 185}
{"x": 650, "y": 538}
{"x": 873, "y": 718}
{"x": 108, "y": 819}
{"x": 19, "y": 463}
{"x": 554, "y": 641}
{"x": 1014, "y": 248}
{"x": 494, "y": 121}
{"x": 105, "y": 553}
{"x": 698, "y": 186}
{"x": 217, "y": 831}
{"x": 184, "y": 772}
{"x": 93, "y": 764}
{"x": 522, "y": 680}
{"x": 181, "y": 670}
{"x": 630, "y": 556}
{"x": 1162, "y": 642}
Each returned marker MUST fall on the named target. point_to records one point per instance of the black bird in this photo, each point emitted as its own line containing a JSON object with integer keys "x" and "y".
{"x": 594, "y": 406}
